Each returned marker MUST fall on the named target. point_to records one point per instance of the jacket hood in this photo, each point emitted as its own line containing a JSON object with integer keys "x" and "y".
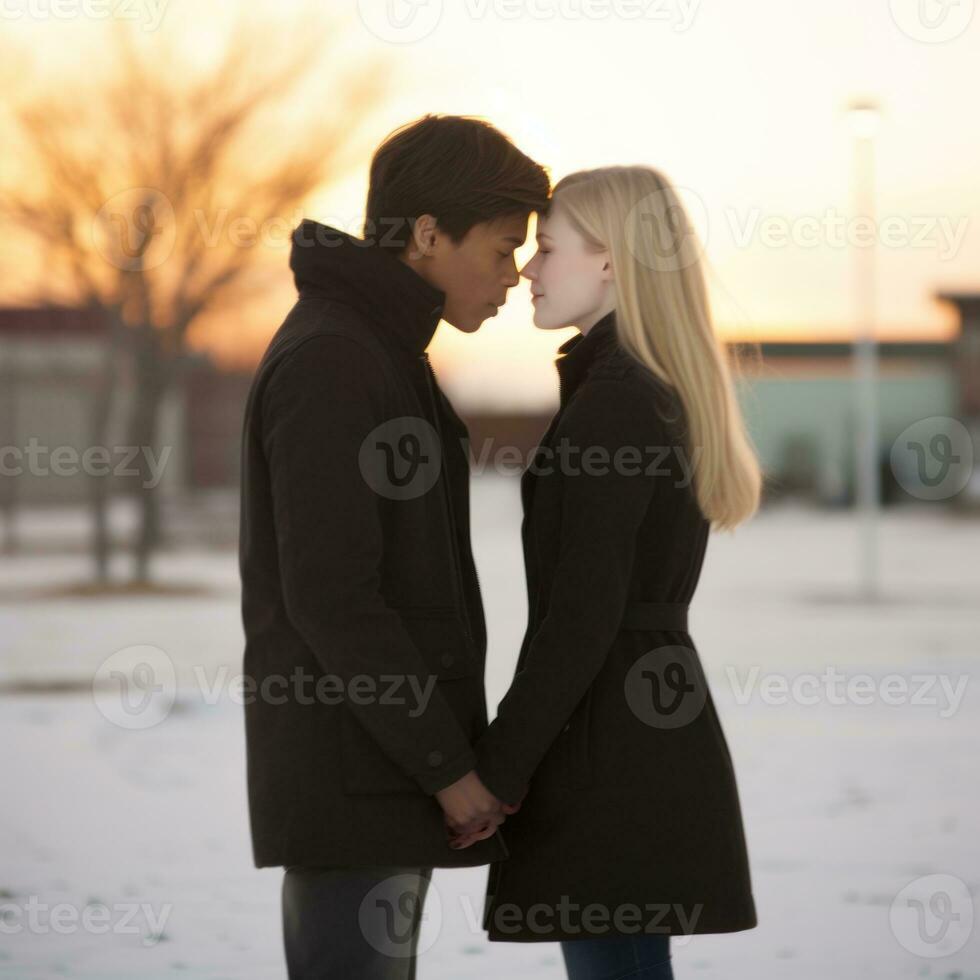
{"x": 365, "y": 276}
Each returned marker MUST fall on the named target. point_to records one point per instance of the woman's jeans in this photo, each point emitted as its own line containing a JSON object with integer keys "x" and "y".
{"x": 641, "y": 957}
{"x": 347, "y": 923}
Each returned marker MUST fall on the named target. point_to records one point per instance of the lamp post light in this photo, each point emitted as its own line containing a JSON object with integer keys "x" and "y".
{"x": 864, "y": 118}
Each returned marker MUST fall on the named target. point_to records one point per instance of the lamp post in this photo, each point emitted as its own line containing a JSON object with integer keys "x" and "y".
{"x": 864, "y": 118}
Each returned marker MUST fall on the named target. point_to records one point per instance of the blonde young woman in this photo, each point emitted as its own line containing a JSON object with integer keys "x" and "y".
{"x": 629, "y": 828}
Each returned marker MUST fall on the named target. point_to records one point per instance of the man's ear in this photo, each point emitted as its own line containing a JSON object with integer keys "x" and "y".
{"x": 423, "y": 237}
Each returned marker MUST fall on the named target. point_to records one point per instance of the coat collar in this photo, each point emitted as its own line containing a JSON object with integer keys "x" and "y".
{"x": 404, "y": 306}
{"x": 580, "y": 352}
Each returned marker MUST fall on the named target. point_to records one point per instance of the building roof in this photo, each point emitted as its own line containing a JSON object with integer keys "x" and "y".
{"x": 38, "y": 321}
{"x": 930, "y": 349}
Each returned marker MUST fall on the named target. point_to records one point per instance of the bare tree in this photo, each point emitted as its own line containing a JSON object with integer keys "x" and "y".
{"x": 138, "y": 175}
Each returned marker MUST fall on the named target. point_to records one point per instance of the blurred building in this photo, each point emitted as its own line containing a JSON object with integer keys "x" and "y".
{"x": 52, "y": 362}
{"x": 800, "y": 408}
{"x": 797, "y": 398}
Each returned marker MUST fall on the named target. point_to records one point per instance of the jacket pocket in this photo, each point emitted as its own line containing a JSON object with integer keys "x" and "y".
{"x": 445, "y": 651}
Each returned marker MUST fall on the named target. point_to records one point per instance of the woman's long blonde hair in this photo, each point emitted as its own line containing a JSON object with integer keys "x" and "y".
{"x": 664, "y": 321}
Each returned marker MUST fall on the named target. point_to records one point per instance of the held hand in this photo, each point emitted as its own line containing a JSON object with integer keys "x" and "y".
{"x": 470, "y": 807}
{"x": 459, "y": 841}
{"x": 513, "y": 808}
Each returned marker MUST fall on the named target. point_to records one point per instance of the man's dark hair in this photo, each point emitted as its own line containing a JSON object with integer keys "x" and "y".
{"x": 460, "y": 170}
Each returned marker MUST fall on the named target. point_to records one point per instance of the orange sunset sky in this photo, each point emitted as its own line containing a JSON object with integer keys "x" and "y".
{"x": 740, "y": 104}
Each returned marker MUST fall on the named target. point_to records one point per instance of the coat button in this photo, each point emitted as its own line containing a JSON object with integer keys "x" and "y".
{"x": 434, "y": 758}
{"x": 448, "y": 660}
{"x": 567, "y": 726}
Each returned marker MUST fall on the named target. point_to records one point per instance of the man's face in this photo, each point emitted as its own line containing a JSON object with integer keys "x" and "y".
{"x": 476, "y": 273}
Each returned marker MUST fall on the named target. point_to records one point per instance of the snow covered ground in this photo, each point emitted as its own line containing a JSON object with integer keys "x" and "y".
{"x": 854, "y": 728}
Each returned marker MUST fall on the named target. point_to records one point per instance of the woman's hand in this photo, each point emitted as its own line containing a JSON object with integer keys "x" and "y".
{"x": 471, "y": 809}
{"x": 457, "y": 841}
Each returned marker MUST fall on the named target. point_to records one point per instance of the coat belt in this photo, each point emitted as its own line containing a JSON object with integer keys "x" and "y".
{"x": 655, "y": 616}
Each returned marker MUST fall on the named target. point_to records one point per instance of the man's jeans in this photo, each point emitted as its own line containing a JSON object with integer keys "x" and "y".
{"x": 352, "y": 922}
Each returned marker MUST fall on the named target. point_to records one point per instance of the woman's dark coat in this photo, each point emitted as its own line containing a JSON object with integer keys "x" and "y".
{"x": 358, "y": 579}
{"x": 631, "y": 820}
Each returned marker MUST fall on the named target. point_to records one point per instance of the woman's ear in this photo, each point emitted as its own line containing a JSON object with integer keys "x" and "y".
{"x": 607, "y": 271}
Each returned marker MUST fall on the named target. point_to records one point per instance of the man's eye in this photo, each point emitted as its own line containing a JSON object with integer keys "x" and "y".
{"x": 505, "y": 255}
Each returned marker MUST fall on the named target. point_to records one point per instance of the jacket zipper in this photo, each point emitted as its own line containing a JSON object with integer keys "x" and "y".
{"x": 453, "y": 542}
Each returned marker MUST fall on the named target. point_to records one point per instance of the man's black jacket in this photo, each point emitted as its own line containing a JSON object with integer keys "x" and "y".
{"x": 364, "y": 625}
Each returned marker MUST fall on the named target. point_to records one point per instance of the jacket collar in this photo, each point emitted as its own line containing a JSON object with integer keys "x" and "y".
{"x": 361, "y": 274}
{"x": 580, "y": 352}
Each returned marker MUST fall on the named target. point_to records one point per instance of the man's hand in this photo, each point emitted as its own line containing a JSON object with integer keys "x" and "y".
{"x": 472, "y": 811}
{"x": 459, "y": 840}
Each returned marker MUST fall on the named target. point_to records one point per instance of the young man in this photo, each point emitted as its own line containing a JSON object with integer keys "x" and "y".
{"x": 364, "y": 625}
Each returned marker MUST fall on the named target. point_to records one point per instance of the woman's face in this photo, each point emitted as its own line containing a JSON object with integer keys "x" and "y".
{"x": 570, "y": 284}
